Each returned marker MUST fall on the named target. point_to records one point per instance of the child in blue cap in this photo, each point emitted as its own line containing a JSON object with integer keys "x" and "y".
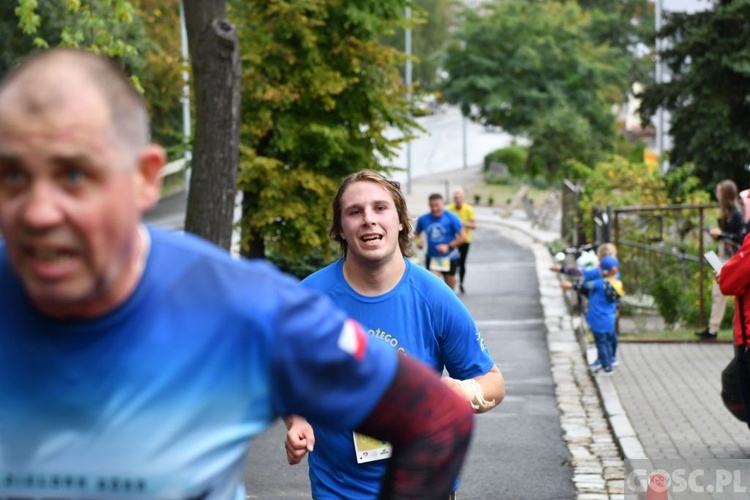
{"x": 603, "y": 293}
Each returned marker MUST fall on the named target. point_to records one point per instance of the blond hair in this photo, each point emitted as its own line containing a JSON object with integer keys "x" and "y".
{"x": 606, "y": 249}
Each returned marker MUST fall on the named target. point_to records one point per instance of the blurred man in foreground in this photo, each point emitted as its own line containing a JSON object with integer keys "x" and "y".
{"x": 138, "y": 361}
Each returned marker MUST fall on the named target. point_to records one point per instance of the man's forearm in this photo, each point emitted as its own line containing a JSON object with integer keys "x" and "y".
{"x": 429, "y": 426}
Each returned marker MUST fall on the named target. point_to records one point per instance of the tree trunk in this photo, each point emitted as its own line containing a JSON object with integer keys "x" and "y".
{"x": 215, "y": 59}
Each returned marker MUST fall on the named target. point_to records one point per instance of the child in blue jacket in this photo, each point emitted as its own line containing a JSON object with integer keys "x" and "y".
{"x": 604, "y": 294}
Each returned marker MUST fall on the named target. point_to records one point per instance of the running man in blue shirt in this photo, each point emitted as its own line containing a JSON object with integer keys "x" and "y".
{"x": 445, "y": 233}
{"x": 408, "y": 309}
{"x": 136, "y": 363}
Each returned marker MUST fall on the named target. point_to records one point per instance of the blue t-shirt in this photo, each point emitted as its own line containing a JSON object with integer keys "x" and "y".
{"x": 443, "y": 229}
{"x": 158, "y": 398}
{"x": 420, "y": 317}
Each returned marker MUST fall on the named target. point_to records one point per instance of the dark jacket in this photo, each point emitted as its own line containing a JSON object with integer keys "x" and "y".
{"x": 732, "y": 231}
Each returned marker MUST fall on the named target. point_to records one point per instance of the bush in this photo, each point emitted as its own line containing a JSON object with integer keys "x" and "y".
{"x": 514, "y": 157}
{"x": 674, "y": 285}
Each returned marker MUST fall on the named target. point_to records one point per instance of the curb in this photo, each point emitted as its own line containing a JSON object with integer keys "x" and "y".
{"x": 567, "y": 349}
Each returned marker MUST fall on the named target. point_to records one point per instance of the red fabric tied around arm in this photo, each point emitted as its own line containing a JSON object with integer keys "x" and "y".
{"x": 429, "y": 426}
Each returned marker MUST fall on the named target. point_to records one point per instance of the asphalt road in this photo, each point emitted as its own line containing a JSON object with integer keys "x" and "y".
{"x": 517, "y": 450}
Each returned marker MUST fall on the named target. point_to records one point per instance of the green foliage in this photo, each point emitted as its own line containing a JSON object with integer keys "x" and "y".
{"x": 319, "y": 94}
{"x": 560, "y": 135}
{"x": 431, "y": 24}
{"x": 142, "y": 34}
{"x": 674, "y": 284}
{"x": 624, "y": 25}
{"x": 303, "y": 266}
{"x": 514, "y": 157}
{"x": 102, "y": 27}
{"x": 291, "y": 212}
{"x": 161, "y": 75}
{"x": 111, "y": 28}
{"x": 707, "y": 93}
{"x": 654, "y": 259}
{"x": 621, "y": 183}
{"x": 533, "y": 68}
{"x": 675, "y": 292}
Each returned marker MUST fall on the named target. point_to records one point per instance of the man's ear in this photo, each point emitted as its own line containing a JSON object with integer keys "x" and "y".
{"x": 147, "y": 176}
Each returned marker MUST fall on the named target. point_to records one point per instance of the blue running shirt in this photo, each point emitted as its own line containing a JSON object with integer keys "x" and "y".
{"x": 159, "y": 398}
{"x": 439, "y": 230}
{"x": 420, "y": 317}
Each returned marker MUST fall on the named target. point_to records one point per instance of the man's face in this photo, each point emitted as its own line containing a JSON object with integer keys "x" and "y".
{"x": 369, "y": 222}
{"x": 70, "y": 199}
{"x": 436, "y": 207}
{"x": 458, "y": 198}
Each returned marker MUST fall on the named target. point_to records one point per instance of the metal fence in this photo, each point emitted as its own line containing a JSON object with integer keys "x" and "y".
{"x": 660, "y": 251}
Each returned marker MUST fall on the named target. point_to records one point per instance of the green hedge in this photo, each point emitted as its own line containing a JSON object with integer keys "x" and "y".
{"x": 512, "y": 156}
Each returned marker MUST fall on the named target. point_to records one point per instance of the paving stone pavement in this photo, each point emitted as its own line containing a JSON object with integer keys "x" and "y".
{"x": 672, "y": 395}
{"x": 662, "y": 402}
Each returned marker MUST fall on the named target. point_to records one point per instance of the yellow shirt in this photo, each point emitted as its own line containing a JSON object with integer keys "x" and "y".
{"x": 465, "y": 214}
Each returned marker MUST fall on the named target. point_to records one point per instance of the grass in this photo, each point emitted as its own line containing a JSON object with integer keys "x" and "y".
{"x": 674, "y": 335}
{"x": 504, "y": 193}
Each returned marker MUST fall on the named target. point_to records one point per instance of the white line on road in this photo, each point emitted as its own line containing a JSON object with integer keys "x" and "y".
{"x": 509, "y": 322}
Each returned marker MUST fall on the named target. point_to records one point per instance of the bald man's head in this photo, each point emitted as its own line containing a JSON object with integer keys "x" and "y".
{"x": 39, "y": 86}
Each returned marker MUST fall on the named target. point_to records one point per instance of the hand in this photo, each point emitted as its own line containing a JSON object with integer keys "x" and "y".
{"x": 457, "y": 387}
{"x": 566, "y": 285}
{"x": 714, "y": 232}
{"x": 300, "y": 439}
{"x": 420, "y": 243}
{"x": 555, "y": 267}
{"x": 443, "y": 248}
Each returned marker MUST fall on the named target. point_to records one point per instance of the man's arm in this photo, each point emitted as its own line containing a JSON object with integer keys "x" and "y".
{"x": 429, "y": 426}
{"x": 471, "y": 221}
{"x": 455, "y": 243}
{"x": 484, "y": 392}
{"x": 417, "y": 231}
{"x": 460, "y": 238}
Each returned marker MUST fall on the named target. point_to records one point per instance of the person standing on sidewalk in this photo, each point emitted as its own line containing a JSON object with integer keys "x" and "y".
{"x": 729, "y": 234}
{"x": 445, "y": 233}
{"x": 467, "y": 216}
{"x": 138, "y": 363}
{"x": 604, "y": 294}
{"x": 734, "y": 279}
{"x": 408, "y": 308}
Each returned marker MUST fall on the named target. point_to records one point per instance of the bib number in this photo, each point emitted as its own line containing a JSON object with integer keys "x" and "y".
{"x": 370, "y": 449}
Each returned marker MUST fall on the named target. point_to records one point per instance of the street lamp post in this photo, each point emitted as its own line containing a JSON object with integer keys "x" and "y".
{"x": 659, "y": 79}
{"x": 407, "y": 49}
{"x": 186, "y": 127}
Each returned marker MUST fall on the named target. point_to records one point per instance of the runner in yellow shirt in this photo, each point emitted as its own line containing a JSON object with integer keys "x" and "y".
{"x": 465, "y": 212}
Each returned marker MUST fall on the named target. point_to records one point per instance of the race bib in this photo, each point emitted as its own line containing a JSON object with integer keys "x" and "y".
{"x": 370, "y": 449}
{"x": 441, "y": 264}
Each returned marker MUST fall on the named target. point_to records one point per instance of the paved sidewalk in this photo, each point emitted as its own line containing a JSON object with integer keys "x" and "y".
{"x": 662, "y": 402}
